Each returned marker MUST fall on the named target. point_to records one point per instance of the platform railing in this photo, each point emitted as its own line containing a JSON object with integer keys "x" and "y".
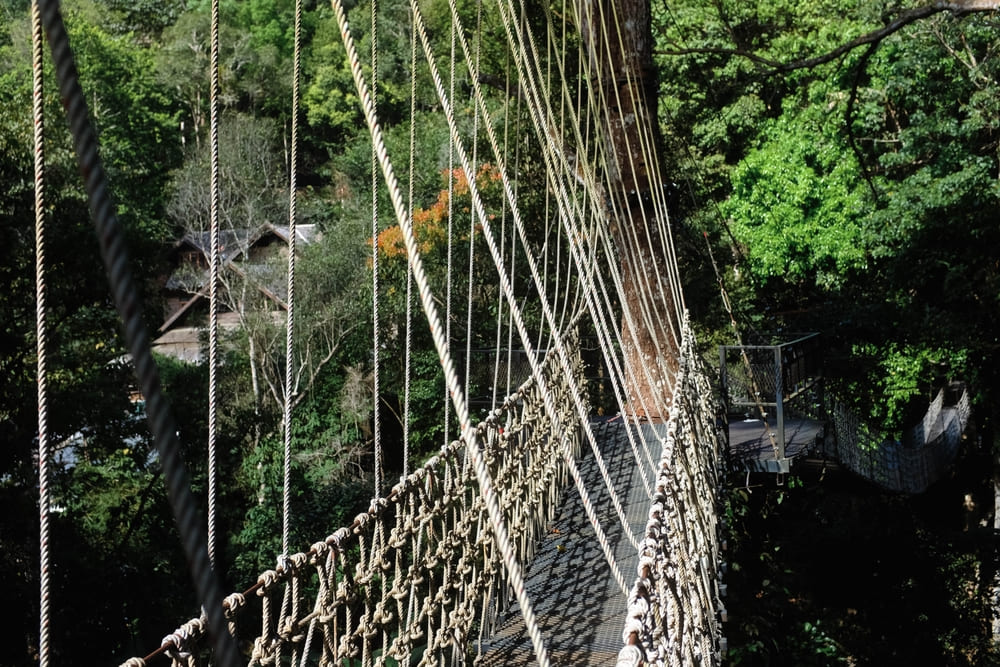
{"x": 755, "y": 378}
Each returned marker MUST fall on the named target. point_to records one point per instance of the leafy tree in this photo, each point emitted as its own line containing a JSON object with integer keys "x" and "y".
{"x": 145, "y": 19}
{"x": 797, "y": 203}
{"x": 103, "y": 468}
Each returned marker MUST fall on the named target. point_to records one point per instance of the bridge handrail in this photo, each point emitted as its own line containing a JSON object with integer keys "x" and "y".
{"x": 756, "y": 379}
{"x": 675, "y": 602}
{"x": 428, "y": 539}
{"x": 788, "y": 343}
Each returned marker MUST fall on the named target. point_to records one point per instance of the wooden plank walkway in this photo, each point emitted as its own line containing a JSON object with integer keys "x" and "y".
{"x": 580, "y": 608}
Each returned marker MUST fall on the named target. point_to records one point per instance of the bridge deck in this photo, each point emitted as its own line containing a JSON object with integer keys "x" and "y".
{"x": 750, "y": 445}
{"x": 579, "y": 606}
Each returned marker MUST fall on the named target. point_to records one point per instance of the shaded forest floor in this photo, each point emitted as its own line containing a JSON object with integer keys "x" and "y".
{"x": 828, "y": 569}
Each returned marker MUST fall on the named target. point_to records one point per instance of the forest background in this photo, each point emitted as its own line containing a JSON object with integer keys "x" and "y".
{"x": 856, "y": 196}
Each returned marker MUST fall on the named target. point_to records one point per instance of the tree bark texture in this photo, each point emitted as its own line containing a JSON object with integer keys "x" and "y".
{"x": 618, "y": 40}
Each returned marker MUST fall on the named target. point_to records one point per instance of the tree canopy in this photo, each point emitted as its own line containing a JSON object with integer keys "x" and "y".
{"x": 842, "y": 160}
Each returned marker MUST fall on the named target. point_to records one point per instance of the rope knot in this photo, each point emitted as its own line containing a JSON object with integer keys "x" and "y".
{"x": 318, "y": 552}
{"x": 175, "y": 644}
{"x": 338, "y": 538}
{"x": 266, "y": 580}
{"x": 232, "y": 605}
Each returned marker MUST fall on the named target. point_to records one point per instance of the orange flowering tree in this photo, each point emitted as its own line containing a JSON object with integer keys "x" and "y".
{"x": 453, "y": 205}
{"x": 430, "y": 225}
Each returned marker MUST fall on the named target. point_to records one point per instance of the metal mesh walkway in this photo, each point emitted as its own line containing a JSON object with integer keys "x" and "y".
{"x": 579, "y": 607}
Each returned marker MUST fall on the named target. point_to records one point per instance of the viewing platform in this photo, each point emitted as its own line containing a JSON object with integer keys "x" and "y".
{"x": 758, "y": 385}
{"x": 751, "y": 446}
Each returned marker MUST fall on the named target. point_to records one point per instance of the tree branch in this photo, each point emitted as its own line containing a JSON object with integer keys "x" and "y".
{"x": 849, "y": 119}
{"x": 957, "y": 8}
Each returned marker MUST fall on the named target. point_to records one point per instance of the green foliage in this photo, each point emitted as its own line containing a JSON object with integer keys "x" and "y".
{"x": 134, "y": 119}
{"x": 859, "y": 193}
{"x": 797, "y": 203}
{"x": 908, "y": 375}
{"x": 144, "y": 19}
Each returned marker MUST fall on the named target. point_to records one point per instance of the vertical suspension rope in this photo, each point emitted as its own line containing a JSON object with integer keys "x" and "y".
{"x": 448, "y": 252}
{"x": 286, "y": 507}
{"x": 376, "y": 421}
{"x": 503, "y": 250}
{"x": 213, "y": 298}
{"x": 41, "y": 329}
{"x": 472, "y": 217}
{"x": 408, "y": 354}
{"x": 129, "y": 305}
{"x": 472, "y": 442}
{"x": 513, "y": 237}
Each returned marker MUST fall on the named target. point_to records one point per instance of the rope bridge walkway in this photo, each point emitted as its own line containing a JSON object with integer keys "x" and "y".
{"x": 446, "y": 566}
{"x": 910, "y": 464}
{"x": 779, "y": 385}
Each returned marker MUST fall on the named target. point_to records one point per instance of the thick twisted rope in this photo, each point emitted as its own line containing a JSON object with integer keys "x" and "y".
{"x": 376, "y": 335}
{"x": 450, "y": 232}
{"x": 472, "y": 224}
{"x": 408, "y": 354}
{"x": 41, "y": 332}
{"x": 599, "y": 18}
{"x": 214, "y": 279}
{"x": 290, "y": 599}
{"x": 286, "y": 508}
{"x": 580, "y": 170}
{"x": 129, "y": 304}
{"x": 538, "y": 280}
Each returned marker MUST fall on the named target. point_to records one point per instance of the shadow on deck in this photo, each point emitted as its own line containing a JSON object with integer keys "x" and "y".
{"x": 752, "y": 449}
{"x": 579, "y": 607}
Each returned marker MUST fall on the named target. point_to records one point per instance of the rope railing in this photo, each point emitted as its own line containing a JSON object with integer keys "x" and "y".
{"x": 418, "y": 577}
{"x": 910, "y": 464}
{"x": 674, "y": 604}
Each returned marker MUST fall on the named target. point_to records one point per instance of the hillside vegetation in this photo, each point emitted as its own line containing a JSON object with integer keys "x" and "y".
{"x": 856, "y": 194}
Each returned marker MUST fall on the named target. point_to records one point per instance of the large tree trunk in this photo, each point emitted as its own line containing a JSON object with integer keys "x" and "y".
{"x": 618, "y": 40}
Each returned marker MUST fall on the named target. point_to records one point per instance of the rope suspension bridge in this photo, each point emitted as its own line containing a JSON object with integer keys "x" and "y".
{"x": 435, "y": 569}
{"x": 465, "y": 557}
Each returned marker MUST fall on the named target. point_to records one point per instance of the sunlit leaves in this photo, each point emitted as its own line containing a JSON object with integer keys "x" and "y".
{"x": 798, "y": 205}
